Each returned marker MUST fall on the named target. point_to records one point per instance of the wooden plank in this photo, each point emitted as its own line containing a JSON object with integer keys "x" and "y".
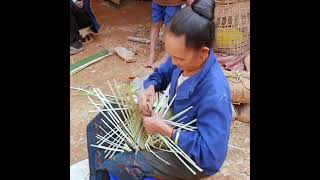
{"x": 140, "y": 40}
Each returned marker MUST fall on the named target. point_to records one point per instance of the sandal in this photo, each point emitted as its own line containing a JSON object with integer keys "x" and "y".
{"x": 87, "y": 39}
{"x": 75, "y": 48}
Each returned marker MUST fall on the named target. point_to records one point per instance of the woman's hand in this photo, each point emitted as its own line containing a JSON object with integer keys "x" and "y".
{"x": 146, "y": 101}
{"x": 155, "y": 124}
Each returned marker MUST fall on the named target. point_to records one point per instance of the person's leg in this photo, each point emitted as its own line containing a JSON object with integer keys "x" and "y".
{"x": 155, "y": 29}
{"x": 78, "y": 19}
{"x": 166, "y": 55}
{"x": 74, "y": 34}
{"x": 83, "y": 19}
{"x": 157, "y": 20}
{"x": 175, "y": 171}
{"x": 130, "y": 165}
{"x": 124, "y": 165}
{"x": 170, "y": 11}
{"x": 143, "y": 164}
{"x": 95, "y": 155}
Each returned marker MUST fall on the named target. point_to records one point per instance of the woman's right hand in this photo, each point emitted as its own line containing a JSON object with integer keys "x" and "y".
{"x": 146, "y": 101}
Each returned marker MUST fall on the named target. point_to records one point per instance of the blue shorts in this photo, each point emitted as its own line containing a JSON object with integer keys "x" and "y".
{"x": 163, "y": 13}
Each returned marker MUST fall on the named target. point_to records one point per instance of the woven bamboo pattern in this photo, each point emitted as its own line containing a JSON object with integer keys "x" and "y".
{"x": 233, "y": 28}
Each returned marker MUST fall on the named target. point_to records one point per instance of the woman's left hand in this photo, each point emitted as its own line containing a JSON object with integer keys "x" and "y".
{"x": 155, "y": 124}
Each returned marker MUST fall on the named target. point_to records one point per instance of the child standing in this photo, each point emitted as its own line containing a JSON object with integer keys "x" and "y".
{"x": 162, "y": 12}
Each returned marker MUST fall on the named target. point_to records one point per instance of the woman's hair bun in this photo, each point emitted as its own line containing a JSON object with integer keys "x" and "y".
{"x": 204, "y": 8}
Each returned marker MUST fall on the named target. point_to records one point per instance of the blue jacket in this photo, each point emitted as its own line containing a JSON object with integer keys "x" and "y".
{"x": 209, "y": 94}
{"x": 86, "y": 6}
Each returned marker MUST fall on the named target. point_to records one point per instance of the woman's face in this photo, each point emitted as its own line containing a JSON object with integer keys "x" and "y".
{"x": 189, "y": 60}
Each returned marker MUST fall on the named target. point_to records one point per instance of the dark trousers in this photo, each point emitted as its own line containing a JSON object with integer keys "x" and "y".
{"x": 78, "y": 20}
{"x": 131, "y": 166}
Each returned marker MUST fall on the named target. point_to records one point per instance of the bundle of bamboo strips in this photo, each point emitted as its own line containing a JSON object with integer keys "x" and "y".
{"x": 78, "y": 66}
{"x": 128, "y": 134}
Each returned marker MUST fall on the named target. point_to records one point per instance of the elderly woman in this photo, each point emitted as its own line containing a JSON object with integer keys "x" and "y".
{"x": 196, "y": 78}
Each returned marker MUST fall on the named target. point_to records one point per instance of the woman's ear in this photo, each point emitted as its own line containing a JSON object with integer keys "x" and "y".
{"x": 204, "y": 53}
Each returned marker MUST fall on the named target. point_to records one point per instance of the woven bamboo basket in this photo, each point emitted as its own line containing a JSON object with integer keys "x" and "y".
{"x": 233, "y": 27}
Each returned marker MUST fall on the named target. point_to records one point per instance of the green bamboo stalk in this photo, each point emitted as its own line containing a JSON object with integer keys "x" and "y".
{"x": 119, "y": 141}
{"x": 180, "y": 126}
{"x": 180, "y": 119}
{"x": 105, "y": 140}
{"x": 92, "y": 111}
{"x": 74, "y": 68}
{"x": 165, "y": 112}
{"x": 188, "y": 124}
{"x": 107, "y": 105}
{"x": 162, "y": 100}
{"x": 114, "y": 124}
{"x": 149, "y": 149}
{"x": 180, "y": 113}
{"x": 168, "y": 144}
{"x": 105, "y": 148}
{"x": 184, "y": 154}
{"x": 129, "y": 129}
{"x": 107, "y": 136}
{"x": 128, "y": 113}
{"x": 123, "y": 114}
{"x": 114, "y": 114}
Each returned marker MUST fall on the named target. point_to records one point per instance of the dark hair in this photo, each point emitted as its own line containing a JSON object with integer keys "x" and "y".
{"x": 196, "y": 23}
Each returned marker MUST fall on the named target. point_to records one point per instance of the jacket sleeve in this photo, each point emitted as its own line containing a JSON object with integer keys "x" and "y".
{"x": 207, "y": 146}
{"x": 161, "y": 76}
